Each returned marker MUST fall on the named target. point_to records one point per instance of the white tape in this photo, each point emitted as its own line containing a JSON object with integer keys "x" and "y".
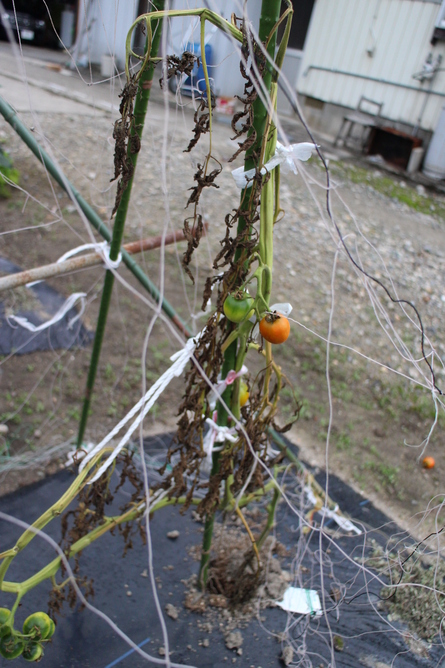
{"x": 301, "y": 601}
{"x": 284, "y": 156}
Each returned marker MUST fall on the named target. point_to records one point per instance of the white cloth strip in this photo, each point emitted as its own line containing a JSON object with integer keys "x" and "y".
{"x": 68, "y": 305}
{"x": 342, "y": 522}
{"x": 283, "y": 308}
{"x": 284, "y": 156}
{"x": 216, "y": 434}
{"x": 179, "y": 359}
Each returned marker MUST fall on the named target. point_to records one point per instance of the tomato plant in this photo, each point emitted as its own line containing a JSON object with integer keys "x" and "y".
{"x": 238, "y": 306}
{"x": 275, "y": 328}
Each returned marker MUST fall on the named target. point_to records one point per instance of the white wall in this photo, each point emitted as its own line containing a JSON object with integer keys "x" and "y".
{"x": 384, "y": 40}
{"x": 109, "y": 22}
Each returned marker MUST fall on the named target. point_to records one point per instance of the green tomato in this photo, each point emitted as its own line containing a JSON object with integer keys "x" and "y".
{"x": 4, "y": 616}
{"x": 238, "y": 306}
{"x": 11, "y": 646}
{"x": 33, "y": 651}
{"x": 52, "y": 629}
{"x": 38, "y": 625}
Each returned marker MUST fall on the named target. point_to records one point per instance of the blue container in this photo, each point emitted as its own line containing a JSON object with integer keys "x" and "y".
{"x": 196, "y": 80}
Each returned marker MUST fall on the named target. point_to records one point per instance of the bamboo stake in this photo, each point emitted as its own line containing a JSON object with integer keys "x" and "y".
{"x": 84, "y": 261}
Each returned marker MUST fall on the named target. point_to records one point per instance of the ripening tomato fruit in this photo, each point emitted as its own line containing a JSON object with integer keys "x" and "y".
{"x": 4, "y": 615}
{"x": 275, "y": 328}
{"x": 238, "y": 306}
{"x": 52, "y": 629}
{"x": 33, "y": 651}
{"x": 243, "y": 394}
{"x": 39, "y": 625}
{"x": 11, "y": 646}
{"x": 428, "y": 462}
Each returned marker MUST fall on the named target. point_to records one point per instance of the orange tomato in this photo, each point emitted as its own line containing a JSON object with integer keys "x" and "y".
{"x": 275, "y": 328}
{"x": 428, "y": 462}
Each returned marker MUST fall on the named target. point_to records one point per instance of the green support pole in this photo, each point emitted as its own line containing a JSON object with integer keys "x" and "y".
{"x": 140, "y": 110}
{"x": 270, "y": 13}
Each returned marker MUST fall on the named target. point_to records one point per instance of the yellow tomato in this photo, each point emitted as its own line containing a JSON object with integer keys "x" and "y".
{"x": 243, "y": 394}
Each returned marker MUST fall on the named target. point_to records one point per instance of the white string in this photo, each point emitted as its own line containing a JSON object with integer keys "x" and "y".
{"x": 286, "y": 156}
{"x": 180, "y": 360}
{"x": 67, "y": 306}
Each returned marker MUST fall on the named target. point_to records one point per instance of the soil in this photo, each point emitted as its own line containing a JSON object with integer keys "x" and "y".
{"x": 380, "y": 418}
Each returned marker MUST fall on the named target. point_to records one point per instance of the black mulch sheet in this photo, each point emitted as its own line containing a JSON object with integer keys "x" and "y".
{"x": 19, "y": 340}
{"x": 83, "y": 639}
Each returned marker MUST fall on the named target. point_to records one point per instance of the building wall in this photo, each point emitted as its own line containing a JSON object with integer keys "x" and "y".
{"x": 372, "y": 48}
{"x": 102, "y": 28}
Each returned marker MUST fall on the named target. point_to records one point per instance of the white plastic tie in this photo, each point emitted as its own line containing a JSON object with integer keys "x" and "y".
{"x": 286, "y": 156}
{"x": 216, "y": 434}
{"x": 67, "y": 306}
{"x": 283, "y": 308}
{"x": 180, "y": 360}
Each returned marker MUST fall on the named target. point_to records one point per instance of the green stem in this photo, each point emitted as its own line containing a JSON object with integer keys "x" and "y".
{"x": 270, "y": 11}
{"x": 203, "y": 14}
{"x": 228, "y": 364}
{"x": 54, "y": 511}
{"x": 140, "y": 111}
{"x": 270, "y": 517}
{"x": 109, "y": 523}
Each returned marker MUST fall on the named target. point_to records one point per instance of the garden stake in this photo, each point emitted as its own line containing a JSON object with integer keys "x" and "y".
{"x": 140, "y": 111}
{"x": 11, "y": 117}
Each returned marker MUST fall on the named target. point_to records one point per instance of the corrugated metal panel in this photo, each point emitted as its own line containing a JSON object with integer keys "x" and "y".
{"x": 397, "y": 32}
